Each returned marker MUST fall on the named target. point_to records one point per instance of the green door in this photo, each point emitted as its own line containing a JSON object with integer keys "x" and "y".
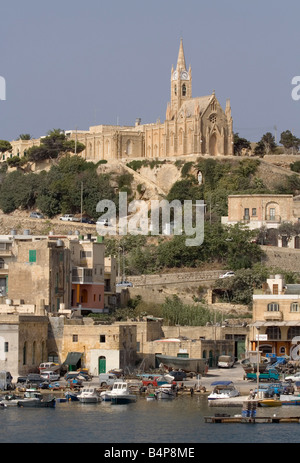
{"x": 102, "y": 365}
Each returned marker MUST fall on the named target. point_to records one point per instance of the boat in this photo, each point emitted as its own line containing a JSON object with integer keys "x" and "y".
{"x": 10, "y": 400}
{"x": 151, "y": 397}
{"x": 270, "y": 403}
{"x": 89, "y": 395}
{"x": 120, "y": 393}
{"x": 105, "y": 396}
{"x": 72, "y": 396}
{"x": 290, "y": 399}
{"x": 33, "y": 398}
{"x": 195, "y": 365}
{"x": 167, "y": 391}
{"x": 223, "y": 390}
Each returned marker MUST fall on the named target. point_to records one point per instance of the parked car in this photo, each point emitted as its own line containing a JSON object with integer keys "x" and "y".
{"x": 227, "y": 274}
{"x": 124, "y": 283}
{"x": 69, "y": 218}
{"x": 102, "y": 222}
{"x": 33, "y": 378}
{"x": 87, "y": 220}
{"x": 36, "y": 215}
{"x": 50, "y": 375}
{"x": 293, "y": 378}
{"x": 178, "y": 375}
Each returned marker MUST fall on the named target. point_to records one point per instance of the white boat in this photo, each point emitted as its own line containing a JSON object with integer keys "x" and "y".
{"x": 166, "y": 391}
{"x": 88, "y": 395}
{"x": 120, "y": 393}
{"x": 105, "y": 396}
{"x": 10, "y": 401}
{"x": 223, "y": 390}
{"x": 49, "y": 366}
{"x": 33, "y": 398}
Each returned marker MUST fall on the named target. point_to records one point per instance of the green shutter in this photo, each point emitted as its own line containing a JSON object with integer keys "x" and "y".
{"x": 32, "y": 255}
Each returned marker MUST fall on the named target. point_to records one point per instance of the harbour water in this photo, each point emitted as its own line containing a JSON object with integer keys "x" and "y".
{"x": 169, "y": 421}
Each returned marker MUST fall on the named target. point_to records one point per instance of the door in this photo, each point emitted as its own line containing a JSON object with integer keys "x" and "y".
{"x": 102, "y": 364}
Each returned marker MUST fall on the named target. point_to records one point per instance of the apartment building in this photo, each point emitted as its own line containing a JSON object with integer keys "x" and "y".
{"x": 276, "y": 318}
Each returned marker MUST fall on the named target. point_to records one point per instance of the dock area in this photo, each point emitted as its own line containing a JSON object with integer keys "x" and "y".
{"x": 223, "y": 418}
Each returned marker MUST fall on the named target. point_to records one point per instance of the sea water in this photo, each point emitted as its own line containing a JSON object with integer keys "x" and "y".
{"x": 176, "y": 421}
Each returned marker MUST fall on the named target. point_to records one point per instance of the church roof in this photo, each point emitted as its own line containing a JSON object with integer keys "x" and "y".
{"x": 195, "y": 105}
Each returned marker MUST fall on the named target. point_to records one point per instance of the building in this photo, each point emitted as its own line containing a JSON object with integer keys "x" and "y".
{"x": 267, "y": 211}
{"x": 192, "y": 126}
{"x": 87, "y": 261}
{"x": 23, "y": 341}
{"x": 98, "y": 347}
{"x": 276, "y": 318}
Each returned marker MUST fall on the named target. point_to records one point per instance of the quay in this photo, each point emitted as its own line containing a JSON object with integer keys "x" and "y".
{"x": 223, "y": 418}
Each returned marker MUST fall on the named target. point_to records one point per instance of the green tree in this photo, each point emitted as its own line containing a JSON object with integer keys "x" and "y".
{"x": 240, "y": 144}
{"x": 51, "y": 146}
{"x": 5, "y": 146}
{"x": 289, "y": 141}
{"x": 266, "y": 145}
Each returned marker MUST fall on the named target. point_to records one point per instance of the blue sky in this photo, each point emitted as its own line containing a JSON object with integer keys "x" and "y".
{"x": 71, "y": 64}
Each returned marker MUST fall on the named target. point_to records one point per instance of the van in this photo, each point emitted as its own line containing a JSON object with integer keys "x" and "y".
{"x": 107, "y": 379}
{"x": 226, "y": 361}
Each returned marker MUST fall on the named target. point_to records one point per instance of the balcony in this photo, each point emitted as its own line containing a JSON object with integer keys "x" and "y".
{"x": 82, "y": 275}
{"x": 273, "y": 218}
{"x": 273, "y": 316}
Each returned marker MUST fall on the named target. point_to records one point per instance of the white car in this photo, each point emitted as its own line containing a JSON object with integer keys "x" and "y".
{"x": 227, "y": 274}
{"x": 50, "y": 375}
{"x": 294, "y": 377}
{"x": 69, "y": 218}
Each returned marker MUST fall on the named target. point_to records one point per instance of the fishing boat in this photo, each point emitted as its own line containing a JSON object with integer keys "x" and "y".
{"x": 270, "y": 403}
{"x": 89, "y": 395}
{"x": 33, "y": 398}
{"x": 10, "y": 400}
{"x": 223, "y": 390}
{"x": 72, "y": 396}
{"x": 166, "y": 391}
{"x": 120, "y": 393}
{"x": 196, "y": 365}
{"x": 152, "y": 396}
{"x": 49, "y": 366}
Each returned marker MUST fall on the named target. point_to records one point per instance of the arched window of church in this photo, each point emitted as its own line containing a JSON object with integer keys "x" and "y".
{"x": 175, "y": 89}
{"x": 129, "y": 147}
{"x": 184, "y": 90}
{"x": 180, "y": 136}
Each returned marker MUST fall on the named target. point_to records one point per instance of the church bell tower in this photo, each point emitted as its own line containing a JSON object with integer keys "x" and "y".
{"x": 181, "y": 84}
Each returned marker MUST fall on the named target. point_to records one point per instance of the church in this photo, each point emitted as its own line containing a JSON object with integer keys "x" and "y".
{"x": 193, "y": 126}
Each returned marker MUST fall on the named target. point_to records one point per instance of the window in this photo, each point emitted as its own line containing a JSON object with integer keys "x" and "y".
{"x": 246, "y": 213}
{"x": 273, "y": 307}
{"x": 6, "y": 347}
{"x": 85, "y": 254}
{"x": 184, "y": 90}
{"x": 75, "y": 338}
{"x": 295, "y": 307}
{"x": 32, "y": 255}
{"x": 102, "y": 337}
{"x": 293, "y": 331}
{"x": 272, "y": 213}
{"x": 273, "y": 332}
{"x": 254, "y": 211}
{"x": 1, "y": 262}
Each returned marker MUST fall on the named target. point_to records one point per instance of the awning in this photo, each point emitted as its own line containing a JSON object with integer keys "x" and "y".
{"x": 275, "y": 323}
{"x": 73, "y": 358}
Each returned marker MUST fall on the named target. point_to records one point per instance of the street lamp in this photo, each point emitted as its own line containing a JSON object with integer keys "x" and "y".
{"x": 257, "y": 359}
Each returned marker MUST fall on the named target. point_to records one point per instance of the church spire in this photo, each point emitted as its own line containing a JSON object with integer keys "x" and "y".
{"x": 181, "y": 66}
